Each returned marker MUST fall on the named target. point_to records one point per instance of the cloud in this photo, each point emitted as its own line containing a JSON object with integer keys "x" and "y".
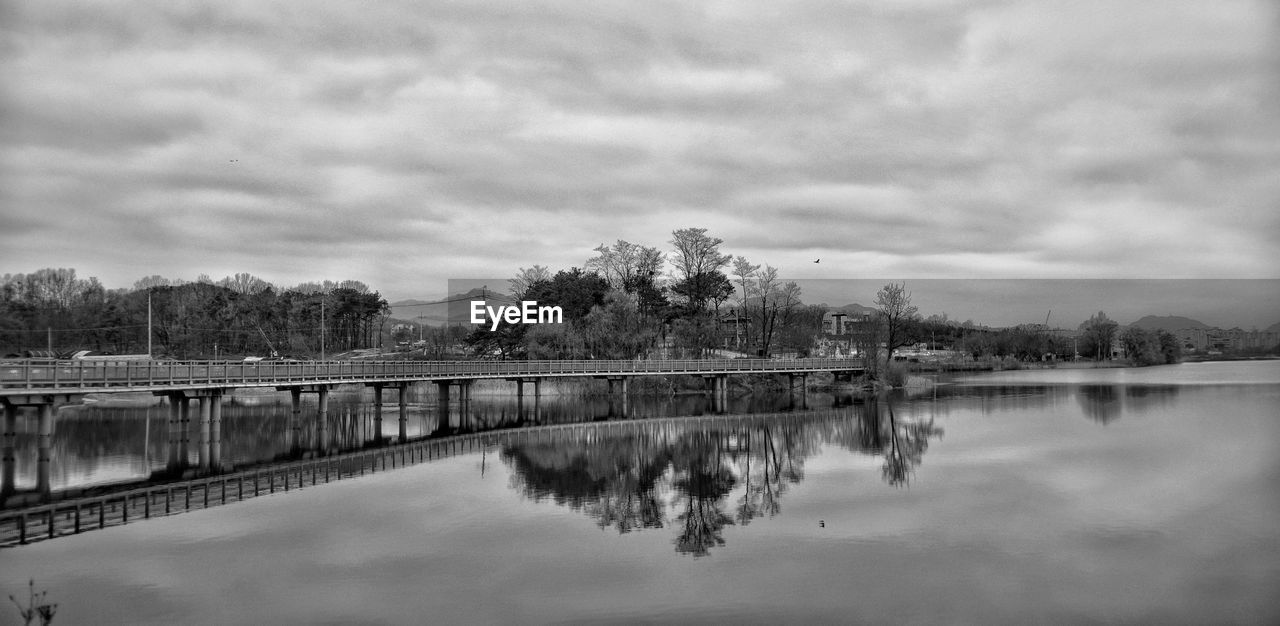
{"x": 951, "y": 139}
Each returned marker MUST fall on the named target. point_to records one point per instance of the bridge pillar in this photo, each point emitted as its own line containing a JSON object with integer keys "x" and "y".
{"x": 9, "y": 466}
{"x": 206, "y": 413}
{"x": 175, "y": 432}
{"x": 184, "y": 447}
{"x": 179, "y": 420}
{"x": 537, "y": 400}
{"x": 404, "y": 413}
{"x": 617, "y": 384}
{"x": 322, "y": 421}
{"x": 44, "y": 450}
{"x": 215, "y": 430}
{"x": 537, "y": 393}
{"x": 295, "y": 419}
{"x": 377, "y": 414}
{"x": 442, "y": 406}
{"x": 720, "y": 393}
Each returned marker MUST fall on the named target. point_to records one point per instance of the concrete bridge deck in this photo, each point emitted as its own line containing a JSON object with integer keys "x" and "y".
{"x": 37, "y": 377}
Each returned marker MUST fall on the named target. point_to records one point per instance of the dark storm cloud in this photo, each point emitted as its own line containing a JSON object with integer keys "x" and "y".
{"x": 384, "y": 141}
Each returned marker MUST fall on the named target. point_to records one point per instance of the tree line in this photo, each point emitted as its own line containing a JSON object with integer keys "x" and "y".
{"x": 623, "y": 303}
{"x": 53, "y": 309}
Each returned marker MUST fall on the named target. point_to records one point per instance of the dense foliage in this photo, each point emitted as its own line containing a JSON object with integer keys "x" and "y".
{"x": 238, "y": 315}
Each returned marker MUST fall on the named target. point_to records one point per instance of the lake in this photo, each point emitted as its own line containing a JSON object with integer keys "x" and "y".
{"x": 1113, "y": 495}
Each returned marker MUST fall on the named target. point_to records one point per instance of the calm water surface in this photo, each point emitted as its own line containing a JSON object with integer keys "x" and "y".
{"x": 1051, "y": 496}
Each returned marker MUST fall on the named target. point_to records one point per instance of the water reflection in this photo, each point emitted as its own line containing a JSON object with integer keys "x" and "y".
{"x": 105, "y": 444}
{"x": 701, "y": 480}
{"x": 1101, "y": 403}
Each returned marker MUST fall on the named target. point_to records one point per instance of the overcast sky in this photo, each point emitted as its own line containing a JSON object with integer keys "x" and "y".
{"x": 402, "y": 144}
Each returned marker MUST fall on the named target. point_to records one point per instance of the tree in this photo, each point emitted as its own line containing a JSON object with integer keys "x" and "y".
{"x": 708, "y": 288}
{"x": 697, "y": 258}
{"x": 1141, "y": 346}
{"x": 155, "y": 280}
{"x": 573, "y": 290}
{"x": 897, "y": 316}
{"x": 525, "y": 279}
{"x": 1170, "y": 348}
{"x": 622, "y": 264}
{"x": 1099, "y": 332}
{"x": 773, "y": 310}
{"x": 245, "y": 283}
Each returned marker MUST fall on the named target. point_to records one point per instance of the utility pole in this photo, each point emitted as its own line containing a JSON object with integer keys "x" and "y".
{"x": 321, "y": 327}
{"x": 148, "y": 322}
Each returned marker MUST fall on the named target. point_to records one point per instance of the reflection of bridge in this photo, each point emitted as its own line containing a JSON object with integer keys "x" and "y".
{"x": 82, "y": 514}
{"x": 43, "y": 385}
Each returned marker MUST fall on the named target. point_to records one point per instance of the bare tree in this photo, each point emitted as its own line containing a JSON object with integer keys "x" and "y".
{"x": 625, "y": 262}
{"x": 155, "y": 280}
{"x": 697, "y": 257}
{"x": 245, "y": 283}
{"x": 897, "y": 315}
{"x": 525, "y": 278}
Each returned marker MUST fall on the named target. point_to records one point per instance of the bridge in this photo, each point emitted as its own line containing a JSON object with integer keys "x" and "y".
{"x": 44, "y": 385}
{"x": 47, "y": 377}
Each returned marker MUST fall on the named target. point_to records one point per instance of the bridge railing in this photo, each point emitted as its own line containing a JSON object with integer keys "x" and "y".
{"x": 35, "y": 374}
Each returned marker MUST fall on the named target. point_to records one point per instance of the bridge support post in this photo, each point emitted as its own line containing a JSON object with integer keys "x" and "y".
{"x": 464, "y": 402}
{"x": 322, "y": 421}
{"x": 179, "y": 420}
{"x": 537, "y": 400}
{"x": 175, "y": 432}
{"x": 404, "y": 413}
{"x": 184, "y": 447}
{"x": 44, "y": 450}
{"x": 295, "y": 419}
{"x": 9, "y": 467}
{"x": 442, "y": 406}
{"x": 215, "y": 430}
{"x": 206, "y": 413}
{"x": 377, "y": 414}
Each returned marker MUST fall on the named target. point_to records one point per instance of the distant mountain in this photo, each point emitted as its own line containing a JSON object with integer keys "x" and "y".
{"x": 853, "y": 309}
{"x": 455, "y": 308}
{"x": 1167, "y": 323}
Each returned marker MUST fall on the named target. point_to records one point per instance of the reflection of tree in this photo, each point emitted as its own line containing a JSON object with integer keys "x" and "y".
{"x": 907, "y": 443}
{"x": 620, "y": 480}
{"x": 877, "y": 430}
{"x": 773, "y": 458}
{"x": 614, "y": 483}
{"x": 703, "y": 478}
{"x": 704, "y": 521}
{"x": 1101, "y": 403}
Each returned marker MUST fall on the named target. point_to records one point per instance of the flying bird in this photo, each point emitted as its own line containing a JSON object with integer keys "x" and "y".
{"x": 818, "y": 261}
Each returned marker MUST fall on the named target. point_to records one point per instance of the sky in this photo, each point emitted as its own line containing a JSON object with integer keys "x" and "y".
{"x": 406, "y": 143}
